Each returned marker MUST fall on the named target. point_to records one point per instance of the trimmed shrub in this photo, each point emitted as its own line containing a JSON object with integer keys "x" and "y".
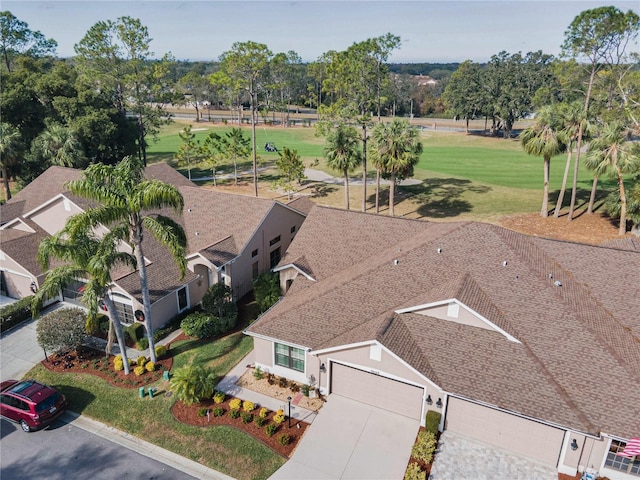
{"x": 141, "y": 360}
{"x": 283, "y": 382}
{"x": 246, "y": 417}
{"x": 279, "y": 417}
{"x": 271, "y": 379}
{"x": 139, "y": 370}
{"x": 235, "y": 404}
{"x": 424, "y": 447}
{"x": 118, "y": 364}
{"x": 284, "y": 439}
{"x": 264, "y": 412}
{"x": 248, "y": 406}
{"x": 15, "y": 313}
{"x": 414, "y": 472}
{"x": 233, "y": 413}
{"x": 161, "y": 350}
{"x": 260, "y": 421}
{"x": 198, "y": 325}
{"x": 294, "y": 387}
{"x": 218, "y": 412}
{"x": 62, "y": 330}
{"x": 135, "y": 331}
{"x": 270, "y": 429}
{"x": 219, "y": 397}
{"x": 432, "y": 421}
{"x": 142, "y": 344}
{"x": 150, "y": 366}
{"x": 202, "y": 412}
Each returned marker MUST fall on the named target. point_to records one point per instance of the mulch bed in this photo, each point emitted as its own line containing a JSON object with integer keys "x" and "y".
{"x": 189, "y": 414}
{"x": 94, "y": 362}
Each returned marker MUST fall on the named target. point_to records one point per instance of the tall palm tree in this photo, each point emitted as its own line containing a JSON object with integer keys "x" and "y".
{"x": 59, "y": 146}
{"x": 612, "y": 153}
{"x": 398, "y": 148}
{"x": 123, "y": 196}
{"x": 542, "y": 140}
{"x": 343, "y": 153}
{"x": 11, "y": 148}
{"x": 85, "y": 256}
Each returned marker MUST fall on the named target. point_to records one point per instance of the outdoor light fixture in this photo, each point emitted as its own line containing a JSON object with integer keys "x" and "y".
{"x": 574, "y": 444}
{"x": 429, "y": 401}
{"x": 323, "y": 368}
{"x": 439, "y": 403}
{"x": 289, "y": 400}
{"x": 33, "y": 287}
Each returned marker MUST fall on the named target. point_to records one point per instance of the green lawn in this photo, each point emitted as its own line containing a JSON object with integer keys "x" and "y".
{"x": 222, "y": 448}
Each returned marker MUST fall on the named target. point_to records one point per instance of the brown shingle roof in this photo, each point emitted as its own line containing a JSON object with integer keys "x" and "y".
{"x": 579, "y": 349}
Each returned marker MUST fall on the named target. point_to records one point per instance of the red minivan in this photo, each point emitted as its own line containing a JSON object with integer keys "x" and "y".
{"x": 30, "y": 403}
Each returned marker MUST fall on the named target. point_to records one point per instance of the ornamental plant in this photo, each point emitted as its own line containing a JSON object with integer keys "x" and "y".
{"x": 248, "y": 406}
{"x": 234, "y": 413}
{"x": 270, "y": 429}
{"x": 424, "y": 447}
{"x": 284, "y": 439}
{"x": 260, "y": 421}
{"x": 118, "y": 364}
{"x": 219, "y": 397}
{"x": 218, "y": 412}
{"x": 62, "y": 330}
{"x": 161, "y": 351}
{"x": 279, "y": 417}
{"x": 235, "y": 404}
{"x": 150, "y": 366}
{"x": 192, "y": 383}
{"x": 263, "y": 412}
{"x": 139, "y": 370}
{"x": 141, "y": 360}
{"x": 246, "y": 417}
{"x": 414, "y": 472}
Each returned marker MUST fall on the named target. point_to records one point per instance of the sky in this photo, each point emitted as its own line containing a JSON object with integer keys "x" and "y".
{"x": 430, "y": 30}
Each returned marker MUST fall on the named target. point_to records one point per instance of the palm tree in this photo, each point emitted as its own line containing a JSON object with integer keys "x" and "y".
{"x": 11, "y": 148}
{"x": 85, "y": 257}
{"x": 542, "y": 140}
{"x": 398, "y": 148}
{"x": 123, "y": 195}
{"x": 59, "y": 146}
{"x": 342, "y": 153}
{"x": 612, "y": 153}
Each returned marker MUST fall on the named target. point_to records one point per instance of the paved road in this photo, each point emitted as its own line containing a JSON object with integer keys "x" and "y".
{"x": 65, "y": 452}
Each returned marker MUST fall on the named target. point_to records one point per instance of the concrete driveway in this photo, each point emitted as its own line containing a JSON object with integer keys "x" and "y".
{"x": 350, "y": 440}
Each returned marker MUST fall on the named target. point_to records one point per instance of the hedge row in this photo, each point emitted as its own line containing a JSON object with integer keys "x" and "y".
{"x": 15, "y": 313}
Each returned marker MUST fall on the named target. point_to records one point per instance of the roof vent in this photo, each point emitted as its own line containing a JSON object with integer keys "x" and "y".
{"x": 505, "y": 263}
{"x": 550, "y": 276}
{"x": 197, "y": 233}
{"x": 439, "y": 250}
{"x": 189, "y": 210}
{"x": 557, "y": 283}
{"x": 396, "y": 261}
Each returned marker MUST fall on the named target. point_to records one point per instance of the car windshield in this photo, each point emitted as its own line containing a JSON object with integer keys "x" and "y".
{"x": 48, "y": 402}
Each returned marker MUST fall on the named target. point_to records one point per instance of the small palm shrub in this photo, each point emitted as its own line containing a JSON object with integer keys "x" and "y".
{"x": 284, "y": 439}
{"x": 414, "y": 472}
{"x": 139, "y": 370}
{"x": 192, "y": 383}
{"x": 270, "y": 429}
{"x": 235, "y": 404}
{"x": 219, "y": 397}
{"x": 258, "y": 374}
{"x": 248, "y": 406}
{"x": 150, "y": 366}
{"x": 424, "y": 447}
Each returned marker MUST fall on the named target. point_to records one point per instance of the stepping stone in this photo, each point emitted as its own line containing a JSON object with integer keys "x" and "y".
{"x": 297, "y": 398}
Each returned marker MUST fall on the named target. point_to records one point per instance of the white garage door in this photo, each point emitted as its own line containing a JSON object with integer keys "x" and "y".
{"x": 381, "y": 392}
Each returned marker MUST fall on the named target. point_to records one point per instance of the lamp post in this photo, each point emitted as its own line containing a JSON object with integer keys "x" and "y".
{"x": 289, "y": 400}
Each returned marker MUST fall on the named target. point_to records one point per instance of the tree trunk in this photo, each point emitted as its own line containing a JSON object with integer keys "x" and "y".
{"x": 556, "y": 212}
{"x": 144, "y": 288}
{"x": 346, "y": 188}
{"x": 5, "y": 183}
{"x": 544, "y": 212}
{"x": 466, "y": 127}
{"x": 364, "y": 168}
{"x": 377, "y": 191}
{"x": 110, "y": 335}
{"x": 235, "y": 170}
{"x": 574, "y": 189}
{"x": 392, "y": 190}
{"x": 622, "y": 229}
{"x": 592, "y": 197}
{"x": 117, "y": 326}
{"x": 253, "y": 144}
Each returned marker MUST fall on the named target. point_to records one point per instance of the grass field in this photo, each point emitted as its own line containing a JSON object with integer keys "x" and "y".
{"x": 463, "y": 176}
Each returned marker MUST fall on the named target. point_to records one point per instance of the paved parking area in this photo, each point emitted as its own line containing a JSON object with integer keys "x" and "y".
{"x": 349, "y": 440}
{"x": 462, "y": 458}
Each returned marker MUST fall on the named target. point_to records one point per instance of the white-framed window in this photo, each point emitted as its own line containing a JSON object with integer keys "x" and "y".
{"x": 183, "y": 300}
{"x": 289, "y": 357}
{"x": 124, "y": 307}
{"x": 630, "y": 465}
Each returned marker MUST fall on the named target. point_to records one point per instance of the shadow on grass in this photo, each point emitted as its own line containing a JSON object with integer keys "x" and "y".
{"x": 322, "y": 189}
{"x": 441, "y": 197}
{"x": 77, "y": 398}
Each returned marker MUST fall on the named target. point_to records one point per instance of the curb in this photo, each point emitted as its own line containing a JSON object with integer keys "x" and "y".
{"x": 142, "y": 447}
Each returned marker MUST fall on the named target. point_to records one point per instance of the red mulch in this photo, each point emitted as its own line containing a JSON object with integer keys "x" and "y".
{"x": 94, "y": 362}
{"x": 189, "y": 414}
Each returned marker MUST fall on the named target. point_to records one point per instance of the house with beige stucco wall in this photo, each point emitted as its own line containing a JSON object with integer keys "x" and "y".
{"x": 526, "y": 344}
{"x": 230, "y": 239}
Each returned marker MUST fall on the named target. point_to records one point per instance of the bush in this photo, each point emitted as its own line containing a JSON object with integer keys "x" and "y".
{"x": 266, "y": 290}
{"x": 118, "y": 364}
{"x": 202, "y": 412}
{"x": 246, "y": 417}
{"x": 235, "y": 404}
{"x": 294, "y": 387}
{"x": 62, "y": 330}
{"x": 258, "y": 374}
{"x": 150, "y": 366}
{"x": 264, "y": 412}
{"x": 199, "y": 325}
{"x": 305, "y": 390}
{"x": 284, "y": 439}
{"x": 15, "y": 313}
{"x": 135, "y": 331}
{"x": 283, "y": 382}
{"x": 219, "y": 397}
{"x": 432, "y": 421}
{"x": 233, "y": 413}
{"x": 192, "y": 383}
{"x": 260, "y": 421}
{"x": 414, "y": 472}
{"x": 271, "y": 379}
{"x": 141, "y": 360}
{"x": 161, "y": 350}
{"x": 139, "y": 370}
{"x": 270, "y": 429}
{"x": 220, "y": 314}
{"x": 248, "y": 406}
{"x": 142, "y": 344}
{"x": 424, "y": 447}
{"x": 92, "y": 325}
{"x": 218, "y": 412}
{"x": 279, "y": 417}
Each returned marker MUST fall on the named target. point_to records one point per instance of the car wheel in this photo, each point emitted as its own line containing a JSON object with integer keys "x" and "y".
{"x": 25, "y": 426}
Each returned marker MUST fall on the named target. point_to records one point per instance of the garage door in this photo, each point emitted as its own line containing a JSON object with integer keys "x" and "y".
{"x": 381, "y": 392}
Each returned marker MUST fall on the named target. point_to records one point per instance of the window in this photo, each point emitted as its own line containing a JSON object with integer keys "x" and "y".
{"x": 73, "y": 291}
{"x": 255, "y": 270}
{"x": 293, "y": 229}
{"x": 273, "y": 241}
{"x": 125, "y": 312}
{"x": 182, "y": 299}
{"x": 254, "y": 253}
{"x": 289, "y": 357}
{"x": 274, "y": 257}
{"x": 618, "y": 462}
